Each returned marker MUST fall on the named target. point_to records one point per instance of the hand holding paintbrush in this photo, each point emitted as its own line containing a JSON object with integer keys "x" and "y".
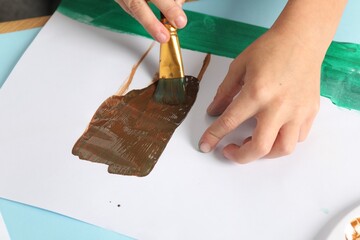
{"x": 170, "y": 88}
{"x": 141, "y": 11}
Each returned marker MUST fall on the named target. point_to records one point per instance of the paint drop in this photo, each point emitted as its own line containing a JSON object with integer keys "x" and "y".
{"x": 325, "y": 211}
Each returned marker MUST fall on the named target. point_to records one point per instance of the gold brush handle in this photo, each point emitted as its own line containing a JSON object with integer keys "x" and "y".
{"x": 171, "y": 65}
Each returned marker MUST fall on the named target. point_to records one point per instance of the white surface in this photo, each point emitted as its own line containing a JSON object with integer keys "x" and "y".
{"x": 71, "y": 68}
{"x": 4, "y": 234}
{"x": 339, "y": 231}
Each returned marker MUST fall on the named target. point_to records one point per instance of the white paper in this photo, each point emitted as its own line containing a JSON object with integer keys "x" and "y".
{"x": 71, "y": 68}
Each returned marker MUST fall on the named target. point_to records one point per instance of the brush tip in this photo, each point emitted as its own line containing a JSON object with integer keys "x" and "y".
{"x": 170, "y": 91}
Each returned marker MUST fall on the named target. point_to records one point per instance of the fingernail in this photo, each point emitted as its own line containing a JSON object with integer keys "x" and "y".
{"x": 204, "y": 147}
{"x": 180, "y": 22}
{"x": 161, "y": 37}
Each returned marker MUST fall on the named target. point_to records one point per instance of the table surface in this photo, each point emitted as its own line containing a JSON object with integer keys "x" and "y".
{"x": 18, "y": 25}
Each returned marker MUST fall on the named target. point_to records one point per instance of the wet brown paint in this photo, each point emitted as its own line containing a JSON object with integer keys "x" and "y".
{"x": 129, "y": 133}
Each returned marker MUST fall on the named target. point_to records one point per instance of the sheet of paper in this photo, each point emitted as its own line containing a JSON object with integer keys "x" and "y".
{"x": 71, "y": 68}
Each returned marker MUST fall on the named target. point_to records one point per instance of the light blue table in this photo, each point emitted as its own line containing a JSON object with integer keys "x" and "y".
{"x": 26, "y": 222}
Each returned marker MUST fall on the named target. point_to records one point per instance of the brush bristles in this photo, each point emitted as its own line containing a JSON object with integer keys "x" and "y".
{"x": 171, "y": 91}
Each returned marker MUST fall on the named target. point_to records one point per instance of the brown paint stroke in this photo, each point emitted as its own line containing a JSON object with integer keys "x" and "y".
{"x": 206, "y": 63}
{"x": 129, "y": 133}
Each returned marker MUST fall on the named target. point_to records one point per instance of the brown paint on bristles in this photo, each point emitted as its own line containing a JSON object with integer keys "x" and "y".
{"x": 155, "y": 78}
{"x": 128, "y": 81}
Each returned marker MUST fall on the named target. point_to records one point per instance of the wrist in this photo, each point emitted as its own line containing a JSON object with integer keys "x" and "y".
{"x": 311, "y": 23}
{"x": 298, "y": 44}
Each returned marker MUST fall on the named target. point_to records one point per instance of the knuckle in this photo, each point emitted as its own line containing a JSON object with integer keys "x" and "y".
{"x": 134, "y": 6}
{"x": 172, "y": 11}
{"x": 286, "y": 148}
{"x": 263, "y": 148}
{"x": 214, "y": 135}
{"x": 260, "y": 93}
{"x": 227, "y": 123}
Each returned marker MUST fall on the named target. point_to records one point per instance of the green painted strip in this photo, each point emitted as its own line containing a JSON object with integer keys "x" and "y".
{"x": 340, "y": 77}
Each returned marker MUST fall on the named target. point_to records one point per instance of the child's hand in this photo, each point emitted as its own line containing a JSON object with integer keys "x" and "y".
{"x": 140, "y": 10}
{"x": 276, "y": 80}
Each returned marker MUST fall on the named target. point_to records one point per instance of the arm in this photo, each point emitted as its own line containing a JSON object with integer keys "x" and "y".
{"x": 312, "y": 22}
{"x": 277, "y": 81}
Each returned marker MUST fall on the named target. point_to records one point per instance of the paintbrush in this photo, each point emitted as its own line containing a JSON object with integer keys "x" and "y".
{"x": 170, "y": 87}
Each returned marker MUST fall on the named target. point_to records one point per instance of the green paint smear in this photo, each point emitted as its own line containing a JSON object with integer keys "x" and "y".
{"x": 340, "y": 76}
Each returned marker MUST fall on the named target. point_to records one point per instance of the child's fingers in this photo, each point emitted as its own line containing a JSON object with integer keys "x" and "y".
{"x": 140, "y": 10}
{"x": 172, "y": 11}
{"x": 236, "y": 113}
{"x": 258, "y": 146}
{"x": 286, "y": 141}
{"x": 180, "y": 2}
